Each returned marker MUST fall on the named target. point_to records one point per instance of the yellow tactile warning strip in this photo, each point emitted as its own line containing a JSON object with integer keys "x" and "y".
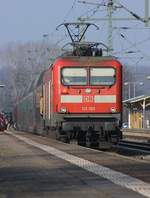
{"x": 116, "y": 177}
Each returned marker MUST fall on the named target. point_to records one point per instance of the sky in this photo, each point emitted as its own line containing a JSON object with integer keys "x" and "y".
{"x": 28, "y": 20}
{"x": 23, "y": 20}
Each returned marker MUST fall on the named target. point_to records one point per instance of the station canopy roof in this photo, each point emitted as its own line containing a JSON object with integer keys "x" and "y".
{"x": 135, "y": 100}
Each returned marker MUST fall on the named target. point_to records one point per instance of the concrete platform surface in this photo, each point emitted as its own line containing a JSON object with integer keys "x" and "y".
{"x": 35, "y": 167}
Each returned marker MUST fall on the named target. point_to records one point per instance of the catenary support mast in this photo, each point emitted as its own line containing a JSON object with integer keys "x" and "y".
{"x": 110, "y": 8}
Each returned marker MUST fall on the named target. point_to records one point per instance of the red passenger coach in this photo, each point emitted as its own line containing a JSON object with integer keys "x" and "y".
{"x": 83, "y": 99}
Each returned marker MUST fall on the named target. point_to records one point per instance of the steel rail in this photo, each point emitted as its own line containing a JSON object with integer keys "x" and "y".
{"x": 135, "y": 146}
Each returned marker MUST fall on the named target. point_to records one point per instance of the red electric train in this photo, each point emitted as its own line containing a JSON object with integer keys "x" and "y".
{"x": 78, "y": 97}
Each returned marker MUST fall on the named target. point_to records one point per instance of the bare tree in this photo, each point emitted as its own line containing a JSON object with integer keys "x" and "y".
{"x": 21, "y": 63}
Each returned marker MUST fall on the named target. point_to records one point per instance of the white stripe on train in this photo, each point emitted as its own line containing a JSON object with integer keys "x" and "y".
{"x": 96, "y": 98}
{"x": 105, "y": 99}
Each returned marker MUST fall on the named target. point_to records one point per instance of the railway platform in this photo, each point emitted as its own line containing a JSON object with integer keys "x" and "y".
{"x": 34, "y": 166}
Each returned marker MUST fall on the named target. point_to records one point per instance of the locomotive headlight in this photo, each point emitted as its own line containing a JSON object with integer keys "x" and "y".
{"x": 113, "y": 110}
{"x": 63, "y": 109}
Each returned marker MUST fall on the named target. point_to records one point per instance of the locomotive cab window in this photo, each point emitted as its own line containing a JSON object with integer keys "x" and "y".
{"x": 74, "y": 76}
{"x": 102, "y": 76}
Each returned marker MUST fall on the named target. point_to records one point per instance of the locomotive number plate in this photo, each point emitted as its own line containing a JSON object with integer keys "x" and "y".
{"x": 88, "y": 108}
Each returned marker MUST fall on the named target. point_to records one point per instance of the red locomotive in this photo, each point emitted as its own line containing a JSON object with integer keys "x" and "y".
{"x": 78, "y": 97}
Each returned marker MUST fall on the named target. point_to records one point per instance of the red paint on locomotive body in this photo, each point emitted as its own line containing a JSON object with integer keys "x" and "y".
{"x": 85, "y": 97}
{"x": 77, "y": 97}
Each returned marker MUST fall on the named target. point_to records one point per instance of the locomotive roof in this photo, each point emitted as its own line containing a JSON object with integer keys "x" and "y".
{"x": 89, "y": 57}
{"x": 86, "y": 58}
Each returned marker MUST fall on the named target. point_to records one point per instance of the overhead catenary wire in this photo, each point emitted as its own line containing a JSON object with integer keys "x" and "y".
{"x": 91, "y": 3}
{"x": 65, "y": 18}
{"x": 132, "y": 44}
{"x": 128, "y": 41}
{"x": 143, "y": 56}
{"x": 114, "y": 5}
{"x": 70, "y": 11}
{"x": 96, "y": 9}
{"x": 131, "y": 12}
{"x": 90, "y": 13}
{"x": 54, "y": 31}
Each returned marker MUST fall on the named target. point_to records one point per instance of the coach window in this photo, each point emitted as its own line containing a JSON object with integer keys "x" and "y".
{"x": 102, "y": 76}
{"x": 74, "y": 76}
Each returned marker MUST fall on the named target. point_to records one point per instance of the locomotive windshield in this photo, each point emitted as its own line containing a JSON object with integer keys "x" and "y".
{"x": 74, "y": 76}
{"x": 102, "y": 76}
{"x": 95, "y": 76}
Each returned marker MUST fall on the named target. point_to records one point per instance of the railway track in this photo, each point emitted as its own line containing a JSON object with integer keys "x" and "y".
{"x": 134, "y": 146}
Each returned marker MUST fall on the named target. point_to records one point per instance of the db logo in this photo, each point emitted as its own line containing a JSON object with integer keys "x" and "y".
{"x": 88, "y": 99}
